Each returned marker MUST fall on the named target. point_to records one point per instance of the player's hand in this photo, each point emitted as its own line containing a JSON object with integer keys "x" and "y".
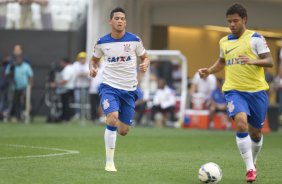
{"x": 144, "y": 65}
{"x": 204, "y": 72}
{"x": 93, "y": 72}
{"x": 244, "y": 60}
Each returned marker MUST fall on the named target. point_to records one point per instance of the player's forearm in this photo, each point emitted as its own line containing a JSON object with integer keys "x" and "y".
{"x": 267, "y": 62}
{"x": 93, "y": 63}
{"x": 145, "y": 59}
{"x": 145, "y": 62}
{"x": 264, "y": 61}
{"x": 218, "y": 66}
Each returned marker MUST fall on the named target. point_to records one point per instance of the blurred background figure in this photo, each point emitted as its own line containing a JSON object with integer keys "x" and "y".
{"x": 140, "y": 109}
{"x": 95, "y": 108}
{"x": 201, "y": 90}
{"x": 269, "y": 78}
{"x": 45, "y": 13}
{"x": 81, "y": 85}
{"x": 3, "y": 13}
{"x": 65, "y": 87}
{"x": 280, "y": 53}
{"x": 12, "y": 14}
{"x": 217, "y": 105}
{"x": 278, "y": 87}
{"x": 21, "y": 74}
{"x": 26, "y": 21}
{"x": 141, "y": 103}
{"x": 52, "y": 97}
{"x": 162, "y": 112}
{"x": 13, "y": 86}
{"x": 17, "y": 51}
{"x": 3, "y": 88}
{"x": 176, "y": 76}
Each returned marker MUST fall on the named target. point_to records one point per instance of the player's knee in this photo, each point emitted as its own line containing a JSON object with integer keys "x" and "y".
{"x": 242, "y": 124}
{"x": 241, "y": 127}
{"x": 112, "y": 119}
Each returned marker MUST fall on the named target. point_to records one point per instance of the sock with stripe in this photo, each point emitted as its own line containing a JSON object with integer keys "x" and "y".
{"x": 110, "y": 137}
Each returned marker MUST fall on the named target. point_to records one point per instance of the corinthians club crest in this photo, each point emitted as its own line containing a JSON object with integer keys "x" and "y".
{"x": 230, "y": 106}
{"x": 127, "y": 47}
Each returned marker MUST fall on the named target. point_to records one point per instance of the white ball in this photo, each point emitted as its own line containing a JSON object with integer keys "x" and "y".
{"x": 210, "y": 173}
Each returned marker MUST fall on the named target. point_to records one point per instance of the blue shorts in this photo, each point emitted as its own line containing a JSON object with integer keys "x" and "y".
{"x": 254, "y": 104}
{"x": 118, "y": 100}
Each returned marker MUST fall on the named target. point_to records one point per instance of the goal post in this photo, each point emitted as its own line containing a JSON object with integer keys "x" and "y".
{"x": 177, "y": 58}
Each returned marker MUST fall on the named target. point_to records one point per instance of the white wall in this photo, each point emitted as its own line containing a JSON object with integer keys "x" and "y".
{"x": 261, "y": 14}
{"x": 142, "y": 14}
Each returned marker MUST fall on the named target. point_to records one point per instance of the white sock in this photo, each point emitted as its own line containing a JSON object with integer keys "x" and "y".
{"x": 110, "y": 143}
{"x": 256, "y": 147}
{"x": 244, "y": 144}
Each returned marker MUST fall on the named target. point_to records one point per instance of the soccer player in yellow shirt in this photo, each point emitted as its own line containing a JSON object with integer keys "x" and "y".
{"x": 243, "y": 54}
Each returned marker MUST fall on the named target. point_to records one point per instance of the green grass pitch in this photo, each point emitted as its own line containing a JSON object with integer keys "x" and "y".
{"x": 145, "y": 156}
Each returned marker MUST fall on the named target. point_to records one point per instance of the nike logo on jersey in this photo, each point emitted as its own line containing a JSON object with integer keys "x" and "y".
{"x": 227, "y": 51}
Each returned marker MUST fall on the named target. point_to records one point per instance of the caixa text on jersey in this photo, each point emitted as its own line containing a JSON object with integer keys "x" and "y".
{"x": 119, "y": 59}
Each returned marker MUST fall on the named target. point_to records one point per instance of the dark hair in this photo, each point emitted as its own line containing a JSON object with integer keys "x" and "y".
{"x": 66, "y": 60}
{"x": 237, "y": 8}
{"x": 117, "y": 9}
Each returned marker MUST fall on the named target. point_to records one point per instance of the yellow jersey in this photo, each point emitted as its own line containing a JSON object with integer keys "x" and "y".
{"x": 238, "y": 76}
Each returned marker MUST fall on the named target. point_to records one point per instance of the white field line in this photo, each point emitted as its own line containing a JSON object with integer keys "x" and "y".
{"x": 65, "y": 152}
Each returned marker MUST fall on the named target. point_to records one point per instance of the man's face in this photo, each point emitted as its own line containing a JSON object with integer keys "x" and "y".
{"x": 118, "y": 22}
{"x": 161, "y": 84}
{"x": 236, "y": 23}
{"x": 82, "y": 60}
{"x": 17, "y": 50}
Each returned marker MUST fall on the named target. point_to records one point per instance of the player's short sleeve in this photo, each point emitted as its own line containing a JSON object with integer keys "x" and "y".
{"x": 259, "y": 44}
{"x": 97, "y": 52}
{"x": 140, "y": 50}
